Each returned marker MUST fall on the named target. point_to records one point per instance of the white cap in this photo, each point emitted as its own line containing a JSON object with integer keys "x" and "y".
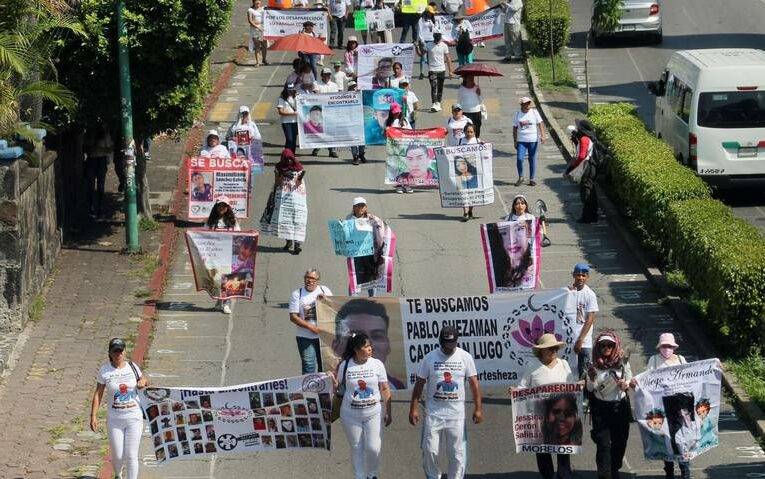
{"x": 353, "y": 38}
{"x": 606, "y": 337}
{"x": 359, "y": 200}
{"x": 223, "y": 199}
{"x": 243, "y": 109}
{"x": 213, "y": 133}
{"x": 326, "y": 71}
{"x": 570, "y": 129}
{"x": 525, "y": 99}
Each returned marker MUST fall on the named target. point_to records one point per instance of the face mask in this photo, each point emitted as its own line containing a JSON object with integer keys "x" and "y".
{"x": 667, "y": 351}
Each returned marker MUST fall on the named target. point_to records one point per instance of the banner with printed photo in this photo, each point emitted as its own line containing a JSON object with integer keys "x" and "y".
{"x": 289, "y": 413}
{"x": 410, "y": 159}
{"x": 286, "y": 212}
{"x": 466, "y": 177}
{"x": 548, "y": 419}
{"x": 349, "y": 240}
{"x": 380, "y": 20}
{"x": 251, "y": 149}
{"x": 375, "y": 63}
{"x": 413, "y": 6}
{"x": 677, "y": 409}
{"x": 373, "y": 271}
{"x": 223, "y": 261}
{"x": 499, "y": 331}
{"x": 330, "y": 119}
{"x": 210, "y": 178}
{"x": 376, "y": 110}
{"x": 486, "y": 25}
{"x": 513, "y": 254}
{"x": 278, "y": 23}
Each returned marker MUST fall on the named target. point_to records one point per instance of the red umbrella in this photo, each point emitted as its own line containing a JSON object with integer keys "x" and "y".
{"x": 478, "y": 69}
{"x": 301, "y": 42}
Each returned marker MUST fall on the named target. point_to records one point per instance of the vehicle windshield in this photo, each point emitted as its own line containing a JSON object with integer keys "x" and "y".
{"x": 732, "y": 109}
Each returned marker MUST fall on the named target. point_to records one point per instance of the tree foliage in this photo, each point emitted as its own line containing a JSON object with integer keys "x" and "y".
{"x": 606, "y": 15}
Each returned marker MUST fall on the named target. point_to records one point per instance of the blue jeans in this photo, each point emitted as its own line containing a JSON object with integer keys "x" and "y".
{"x": 310, "y": 356}
{"x": 357, "y": 151}
{"x": 524, "y": 146}
{"x": 290, "y": 135}
{"x": 310, "y": 59}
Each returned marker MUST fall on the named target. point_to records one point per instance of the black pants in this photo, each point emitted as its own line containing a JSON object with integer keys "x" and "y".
{"x": 476, "y": 119}
{"x": 290, "y": 135}
{"x": 610, "y": 430}
{"x": 436, "y": 86}
{"x": 337, "y": 29}
{"x": 545, "y": 466}
{"x": 589, "y": 196}
{"x": 95, "y": 173}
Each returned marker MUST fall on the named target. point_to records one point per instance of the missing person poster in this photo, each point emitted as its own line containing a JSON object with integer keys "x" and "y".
{"x": 513, "y": 254}
{"x": 677, "y": 409}
{"x": 486, "y": 25}
{"x": 349, "y": 239}
{"x": 410, "y": 156}
{"x": 548, "y": 419}
{"x": 328, "y": 120}
{"x": 375, "y": 64}
{"x": 244, "y": 147}
{"x": 288, "y": 413}
{"x": 223, "y": 262}
{"x": 498, "y": 331}
{"x": 380, "y": 20}
{"x": 286, "y": 212}
{"x": 210, "y": 178}
{"x": 376, "y": 111}
{"x": 373, "y": 272}
{"x": 278, "y": 23}
{"x": 465, "y": 177}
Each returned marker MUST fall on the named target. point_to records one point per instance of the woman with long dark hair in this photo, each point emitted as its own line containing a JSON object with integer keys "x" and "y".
{"x": 366, "y": 404}
{"x": 287, "y": 108}
{"x": 222, "y": 217}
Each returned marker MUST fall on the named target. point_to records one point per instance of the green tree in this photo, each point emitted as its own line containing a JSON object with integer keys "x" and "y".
{"x": 606, "y": 15}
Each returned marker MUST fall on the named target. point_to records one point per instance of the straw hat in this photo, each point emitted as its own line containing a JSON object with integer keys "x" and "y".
{"x": 548, "y": 340}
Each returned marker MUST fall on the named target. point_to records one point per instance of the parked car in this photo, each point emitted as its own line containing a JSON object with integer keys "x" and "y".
{"x": 638, "y": 18}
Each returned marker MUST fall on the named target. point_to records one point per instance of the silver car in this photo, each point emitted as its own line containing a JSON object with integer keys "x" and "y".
{"x": 639, "y": 18}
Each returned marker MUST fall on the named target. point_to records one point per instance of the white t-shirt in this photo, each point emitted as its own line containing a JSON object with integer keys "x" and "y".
{"x": 339, "y": 7}
{"x": 250, "y": 126}
{"x": 527, "y": 125}
{"x": 397, "y": 124}
{"x": 256, "y": 16}
{"x": 452, "y": 6}
{"x": 512, "y": 10}
{"x": 395, "y": 81}
{"x": 437, "y": 56}
{"x": 455, "y": 129}
{"x": 288, "y": 106}
{"x": 524, "y": 217}
{"x": 469, "y": 99}
{"x": 122, "y": 399}
{"x": 411, "y": 99}
{"x": 339, "y": 78}
{"x": 303, "y": 302}
{"x": 586, "y": 302}
{"x": 657, "y": 361}
{"x": 329, "y": 87}
{"x": 444, "y": 395}
{"x": 537, "y": 374}
{"x": 218, "y": 151}
{"x": 465, "y": 141}
{"x": 362, "y": 387}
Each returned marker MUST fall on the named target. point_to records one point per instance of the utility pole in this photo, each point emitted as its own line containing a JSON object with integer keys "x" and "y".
{"x": 128, "y": 143}
{"x": 552, "y": 47}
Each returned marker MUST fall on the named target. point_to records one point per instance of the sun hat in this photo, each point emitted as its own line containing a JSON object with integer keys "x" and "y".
{"x": 244, "y": 109}
{"x": 525, "y": 99}
{"x": 213, "y": 133}
{"x": 607, "y": 337}
{"x": 548, "y": 340}
{"x": 570, "y": 129}
{"x": 456, "y": 107}
{"x": 403, "y": 81}
{"x": 353, "y": 38}
{"x": 582, "y": 268}
{"x": 326, "y": 71}
{"x": 116, "y": 344}
{"x": 667, "y": 339}
{"x": 448, "y": 335}
{"x": 395, "y": 108}
{"x": 222, "y": 199}
{"x": 359, "y": 200}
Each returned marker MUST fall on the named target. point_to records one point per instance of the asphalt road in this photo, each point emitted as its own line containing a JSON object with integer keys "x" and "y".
{"x": 620, "y": 69}
{"x": 436, "y": 256}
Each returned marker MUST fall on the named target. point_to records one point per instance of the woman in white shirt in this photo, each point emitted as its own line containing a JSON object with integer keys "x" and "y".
{"x": 287, "y": 108}
{"x": 213, "y": 146}
{"x": 469, "y": 96}
{"x": 519, "y": 209}
{"x": 548, "y": 369}
{"x": 124, "y": 421}
{"x": 366, "y": 404}
{"x": 608, "y": 379}
{"x": 528, "y": 131}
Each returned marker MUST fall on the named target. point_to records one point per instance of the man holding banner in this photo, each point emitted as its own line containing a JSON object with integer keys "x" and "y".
{"x": 445, "y": 371}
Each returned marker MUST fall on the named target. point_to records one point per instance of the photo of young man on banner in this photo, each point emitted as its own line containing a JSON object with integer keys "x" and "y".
{"x": 209, "y": 178}
{"x": 513, "y": 254}
{"x": 410, "y": 156}
{"x": 376, "y": 110}
{"x": 223, "y": 262}
{"x": 467, "y": 178}
{"x": 375, "y": 62}
{"x": 328, "y": 120}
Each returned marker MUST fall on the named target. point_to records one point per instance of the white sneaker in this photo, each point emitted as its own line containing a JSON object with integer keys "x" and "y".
{"x": 436, "y": 106}
{"x": 227, "y": 308}
{"x": 482, "y": 45}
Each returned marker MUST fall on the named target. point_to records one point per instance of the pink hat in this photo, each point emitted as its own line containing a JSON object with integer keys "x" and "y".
{"x": 667, "y": 339}
{"x": 222, "y": 199}
{"x": 395, "y": 108}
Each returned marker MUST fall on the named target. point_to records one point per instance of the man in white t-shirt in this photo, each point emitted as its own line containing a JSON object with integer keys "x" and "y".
{"x": 438, "y": 61}
{"x": 445, "y": 371}
{"x": 258, "y": 42}
{"x": 302, "y": 308}
{"x": 512, "y": 9}
{"x": 583, "y": 318}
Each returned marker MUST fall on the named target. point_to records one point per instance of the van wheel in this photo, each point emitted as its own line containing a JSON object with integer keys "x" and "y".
{"x": 658, "y": 37}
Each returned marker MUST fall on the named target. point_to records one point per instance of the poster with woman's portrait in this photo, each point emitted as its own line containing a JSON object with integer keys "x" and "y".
{"x": 223, "y": 262}
{"x": 548, "y": 419}
{"x": 466, "y": 175}
{"x": 410, "y": 156}
{"x": 513, "y": 254}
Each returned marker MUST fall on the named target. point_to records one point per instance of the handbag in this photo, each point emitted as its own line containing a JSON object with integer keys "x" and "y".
{"x": 337, "y": 399}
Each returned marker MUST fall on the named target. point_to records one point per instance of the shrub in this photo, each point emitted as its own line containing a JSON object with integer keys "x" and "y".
{"x": 536, "y": 15}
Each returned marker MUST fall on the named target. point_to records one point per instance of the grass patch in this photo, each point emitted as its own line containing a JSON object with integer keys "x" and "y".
{"x": 144, "y": 265}
{"x": 677, "y": 281}
{"x": 543, "y": 69}
{"x": 142, "y": 293}
{"x": 751, "y": 376}
{"x": 148, "y": 224}
{"x": 56, "y": 432}
{"x": 37, "y": 308}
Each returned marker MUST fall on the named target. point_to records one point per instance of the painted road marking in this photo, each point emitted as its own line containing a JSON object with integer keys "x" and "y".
{"x": 260, "y": 110}
{"x": 222, "y": 112}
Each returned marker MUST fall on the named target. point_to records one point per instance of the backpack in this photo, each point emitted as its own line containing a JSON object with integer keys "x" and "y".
{"x": 464, "y": 45}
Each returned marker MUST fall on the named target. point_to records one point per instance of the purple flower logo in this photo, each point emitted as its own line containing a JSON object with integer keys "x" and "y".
{"x": 527, "y": 333}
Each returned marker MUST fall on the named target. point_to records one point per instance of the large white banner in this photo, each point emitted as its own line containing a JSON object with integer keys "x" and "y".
{"x": 548, "y": 419}
{"x": 375, "y": 64}
{"x": 287, "y": 413}
{"x": 677, "y": 409}
{"x": 278, "y": 23}
{"x": 486, "y": 25}
{"x": 465, "y": 175}
{"x": 330, "y": 119}
{"x": 286, "y": 212}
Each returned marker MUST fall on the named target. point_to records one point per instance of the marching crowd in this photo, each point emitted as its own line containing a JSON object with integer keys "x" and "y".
{"x": 362, "y": 383}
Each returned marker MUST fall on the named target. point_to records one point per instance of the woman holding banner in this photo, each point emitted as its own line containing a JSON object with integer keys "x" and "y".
{"x": 222, "y": 217}
{"x": 608, "y": 379}
{"x": 366, "y": 404}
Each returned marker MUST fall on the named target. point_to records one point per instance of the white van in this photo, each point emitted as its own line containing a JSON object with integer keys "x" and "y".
{"x": 710, "y": 107}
